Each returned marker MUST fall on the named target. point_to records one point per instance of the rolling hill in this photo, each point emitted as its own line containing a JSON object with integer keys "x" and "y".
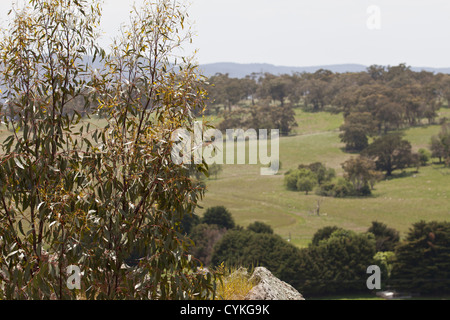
{"x": 238, "y": 70}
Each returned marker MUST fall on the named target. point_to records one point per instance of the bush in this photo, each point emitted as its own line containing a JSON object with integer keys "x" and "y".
{"x": 188, "y": 222}
{"x": 260, "y": 227}
{"x": 322, "y": 173}
{"x": 306, "y": 184}
{"x": 220, "y": 216}
{"x": 290, "y": 180}
{"x": 424, "y": 156}
{"x": 326, "y": 189}
{"x": 386, "y": 238}
{"x": 323, "y": 234}
{"x": 300, "y": 180}
{"x": 250, "y": 249}
{"x": 336, "y": 264}
{"x": 385, "y": 260}
{"x": 343, "y": 188}
{"x": 340, "y": 189}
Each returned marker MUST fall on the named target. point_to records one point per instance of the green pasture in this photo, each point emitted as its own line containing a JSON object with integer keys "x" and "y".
{"x": 399, "y": 202}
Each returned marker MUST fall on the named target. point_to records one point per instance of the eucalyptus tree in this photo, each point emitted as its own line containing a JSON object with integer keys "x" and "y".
{"x": 74, "y": 194}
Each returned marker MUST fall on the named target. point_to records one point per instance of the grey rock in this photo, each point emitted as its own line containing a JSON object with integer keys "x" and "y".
{"x": 269, "y": 287}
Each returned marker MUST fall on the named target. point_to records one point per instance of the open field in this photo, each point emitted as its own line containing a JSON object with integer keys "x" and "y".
{"x": 399, "y": 202}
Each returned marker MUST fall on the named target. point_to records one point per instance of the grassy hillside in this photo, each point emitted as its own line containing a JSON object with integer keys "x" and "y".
{"x": 398, "y": 202}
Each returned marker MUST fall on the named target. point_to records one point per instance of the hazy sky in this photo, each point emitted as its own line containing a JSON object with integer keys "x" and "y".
{"x": 311, "y": 32}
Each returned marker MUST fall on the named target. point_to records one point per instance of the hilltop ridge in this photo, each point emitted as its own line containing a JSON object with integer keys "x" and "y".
{"x": 240, "y": 70}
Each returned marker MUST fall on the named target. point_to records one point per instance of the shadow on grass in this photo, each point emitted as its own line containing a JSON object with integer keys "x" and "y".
{"x": 403, "y": 174}
{"x": 349, "y": 151}
{"x": 441, "y": 168}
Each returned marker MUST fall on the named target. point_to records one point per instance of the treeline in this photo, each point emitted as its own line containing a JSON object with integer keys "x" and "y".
{"x": 337, "y": 259}
{"x": 373, "y": 102}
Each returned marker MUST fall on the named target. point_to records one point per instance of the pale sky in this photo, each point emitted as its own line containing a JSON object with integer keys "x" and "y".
{"x": 310, "y": 32}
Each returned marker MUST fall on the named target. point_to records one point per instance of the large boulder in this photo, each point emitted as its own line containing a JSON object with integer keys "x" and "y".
{"x": 269, "y": 287}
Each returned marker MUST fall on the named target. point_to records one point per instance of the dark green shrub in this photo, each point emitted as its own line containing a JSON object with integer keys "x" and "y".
{"x": 323, "y": 234}
{"x": 343, "y": 188}
{"x": 251, "y": 249}
{"x": 423, "y": 260}
{"x": 260, "y": 227}
{"x": 220, "y": 216}
{"x": 386, "y": 238}
{"x": 326, "y": 189}
{"x": 336, "y": 264}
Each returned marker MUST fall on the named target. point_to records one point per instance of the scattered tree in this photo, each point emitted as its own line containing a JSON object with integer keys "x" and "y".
{"x": 390, "y": 152}
{"x": 424, "y": 156}
{"x": 306, "y": 183}
{"x": 360, "y": 171}
{"x": 355, "y": 131}
{"x": 440, "y": 144}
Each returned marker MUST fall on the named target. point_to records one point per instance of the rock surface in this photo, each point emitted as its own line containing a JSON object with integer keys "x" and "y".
{"x": 269, "y": 287}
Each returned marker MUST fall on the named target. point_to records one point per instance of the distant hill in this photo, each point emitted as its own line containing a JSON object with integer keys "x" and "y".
{"x": 238, "y": 70}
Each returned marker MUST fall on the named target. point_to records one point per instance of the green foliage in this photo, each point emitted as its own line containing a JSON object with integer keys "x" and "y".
{"x": 290, "y": 180}
{"x": 261, "y": 116}
{"x": 373, "y": 102}
{"x": 423, "y": 260}
{"x": 336, "y": 263}
{"x": 390, "y": 152}
{"x": 251, "y": 249}
{"x": 359, "y": 179}
{"x": 424, "y": 156}
{"x": 323, "y": 173}
{"x": 300, "y": 180}
{"x": 260, "y": 227}
{"x": 326, "y": 190}
{"x": 306, "y": 177}
{"x": 275, "y": 87}
{"x": 226, "y": 91}
{"x": 306, "y": 183}
{"x": 440, "y": 144}
{"x": 355, "y": 131}
{"x": 340, "y": 188}
{"x": 188, "y": 222}
{"x": 343, "y": 188}
{"x": 361, "y": 173}
{"x": 385, "y": 260}
{"x": 70, "y": 195}
{"x": 323, "y": 234}
{"x": 219, "y": 216}
{"x": 386, "y": 238}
